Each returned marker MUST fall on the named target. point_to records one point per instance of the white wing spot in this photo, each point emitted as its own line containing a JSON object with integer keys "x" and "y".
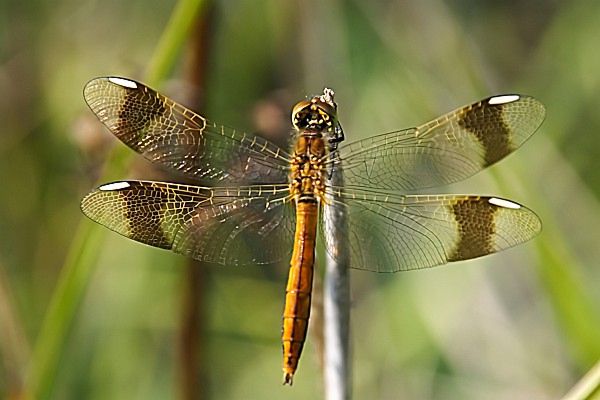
{"x": 123, "y": 82}
{"x": 114, "y": 186}
{"x": 504, "y": 203}
{"x": 507, "y": 98}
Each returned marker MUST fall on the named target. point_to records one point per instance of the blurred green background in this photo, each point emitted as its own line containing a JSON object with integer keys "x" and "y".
{"x": 103, "y": 318}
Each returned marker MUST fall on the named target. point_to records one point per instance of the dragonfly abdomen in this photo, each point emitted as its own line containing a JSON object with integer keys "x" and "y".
{"x": 298, "y": 291}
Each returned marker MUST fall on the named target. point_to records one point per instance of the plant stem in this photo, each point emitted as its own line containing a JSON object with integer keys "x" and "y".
{"x": 193, "y": 302}
{"x": 87, "y": 241}
{"x": 588, "y": 387}
{"x": 171, "y": 41}
{"x": 336, "y": 299}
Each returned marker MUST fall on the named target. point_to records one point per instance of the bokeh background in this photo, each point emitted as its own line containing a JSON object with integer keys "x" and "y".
{"x": 85, "y": 313}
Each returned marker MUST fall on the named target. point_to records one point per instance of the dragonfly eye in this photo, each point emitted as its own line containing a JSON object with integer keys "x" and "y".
{"x": 313, "y": 115}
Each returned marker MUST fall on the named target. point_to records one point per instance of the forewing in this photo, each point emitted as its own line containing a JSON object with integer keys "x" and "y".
{"x": 241, "y": 226}
{"x": 448, "y": 149}
{"x": 389, "y": 233}
{"x": 169, "y": 134}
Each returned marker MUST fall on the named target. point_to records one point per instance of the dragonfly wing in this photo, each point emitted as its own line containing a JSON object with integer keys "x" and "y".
{"x": 232, "y": 226}
{"x": 448, "y": 149}
{"x": 169, "y": 134}
{"x": 389, "y": 233}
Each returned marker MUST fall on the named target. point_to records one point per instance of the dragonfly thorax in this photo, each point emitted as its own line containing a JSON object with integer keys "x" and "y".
{"x": 307, "y": 177}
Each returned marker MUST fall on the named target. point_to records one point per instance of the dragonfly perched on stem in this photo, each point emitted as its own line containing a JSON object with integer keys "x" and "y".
{"x": 255, "y": 203}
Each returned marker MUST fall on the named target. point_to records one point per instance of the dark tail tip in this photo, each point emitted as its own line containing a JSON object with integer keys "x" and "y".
{"x": 288, "y": 378}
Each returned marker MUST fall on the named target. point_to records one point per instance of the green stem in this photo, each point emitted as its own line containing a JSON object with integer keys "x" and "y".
{"x": 63, "y": 305}
{"x": 588, "y": 388}
{"x": 170, "y": 43}
{"x": 88, "y": 239}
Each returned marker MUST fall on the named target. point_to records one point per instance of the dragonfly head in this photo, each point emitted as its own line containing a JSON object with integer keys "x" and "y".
{"x": 319, "y": 114}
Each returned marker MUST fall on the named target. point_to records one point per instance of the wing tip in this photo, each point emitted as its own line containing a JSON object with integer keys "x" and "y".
{"x": 87, "y": 202}
{"x": 529, "y": 217}
{"x": 89, "y": 89}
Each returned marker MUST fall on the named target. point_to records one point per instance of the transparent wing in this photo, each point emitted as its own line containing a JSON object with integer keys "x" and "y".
{"x": 448, "y": 149}
{"x": 169, "y": 134}
{"x": 232, "y": 226}
{"x": 389, "y": 233}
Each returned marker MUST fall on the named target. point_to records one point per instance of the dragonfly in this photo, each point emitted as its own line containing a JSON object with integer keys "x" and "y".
{"x": 251, "y": 202}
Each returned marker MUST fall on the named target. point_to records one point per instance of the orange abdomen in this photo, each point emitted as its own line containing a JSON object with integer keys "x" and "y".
{"x": 299, "y": 286}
